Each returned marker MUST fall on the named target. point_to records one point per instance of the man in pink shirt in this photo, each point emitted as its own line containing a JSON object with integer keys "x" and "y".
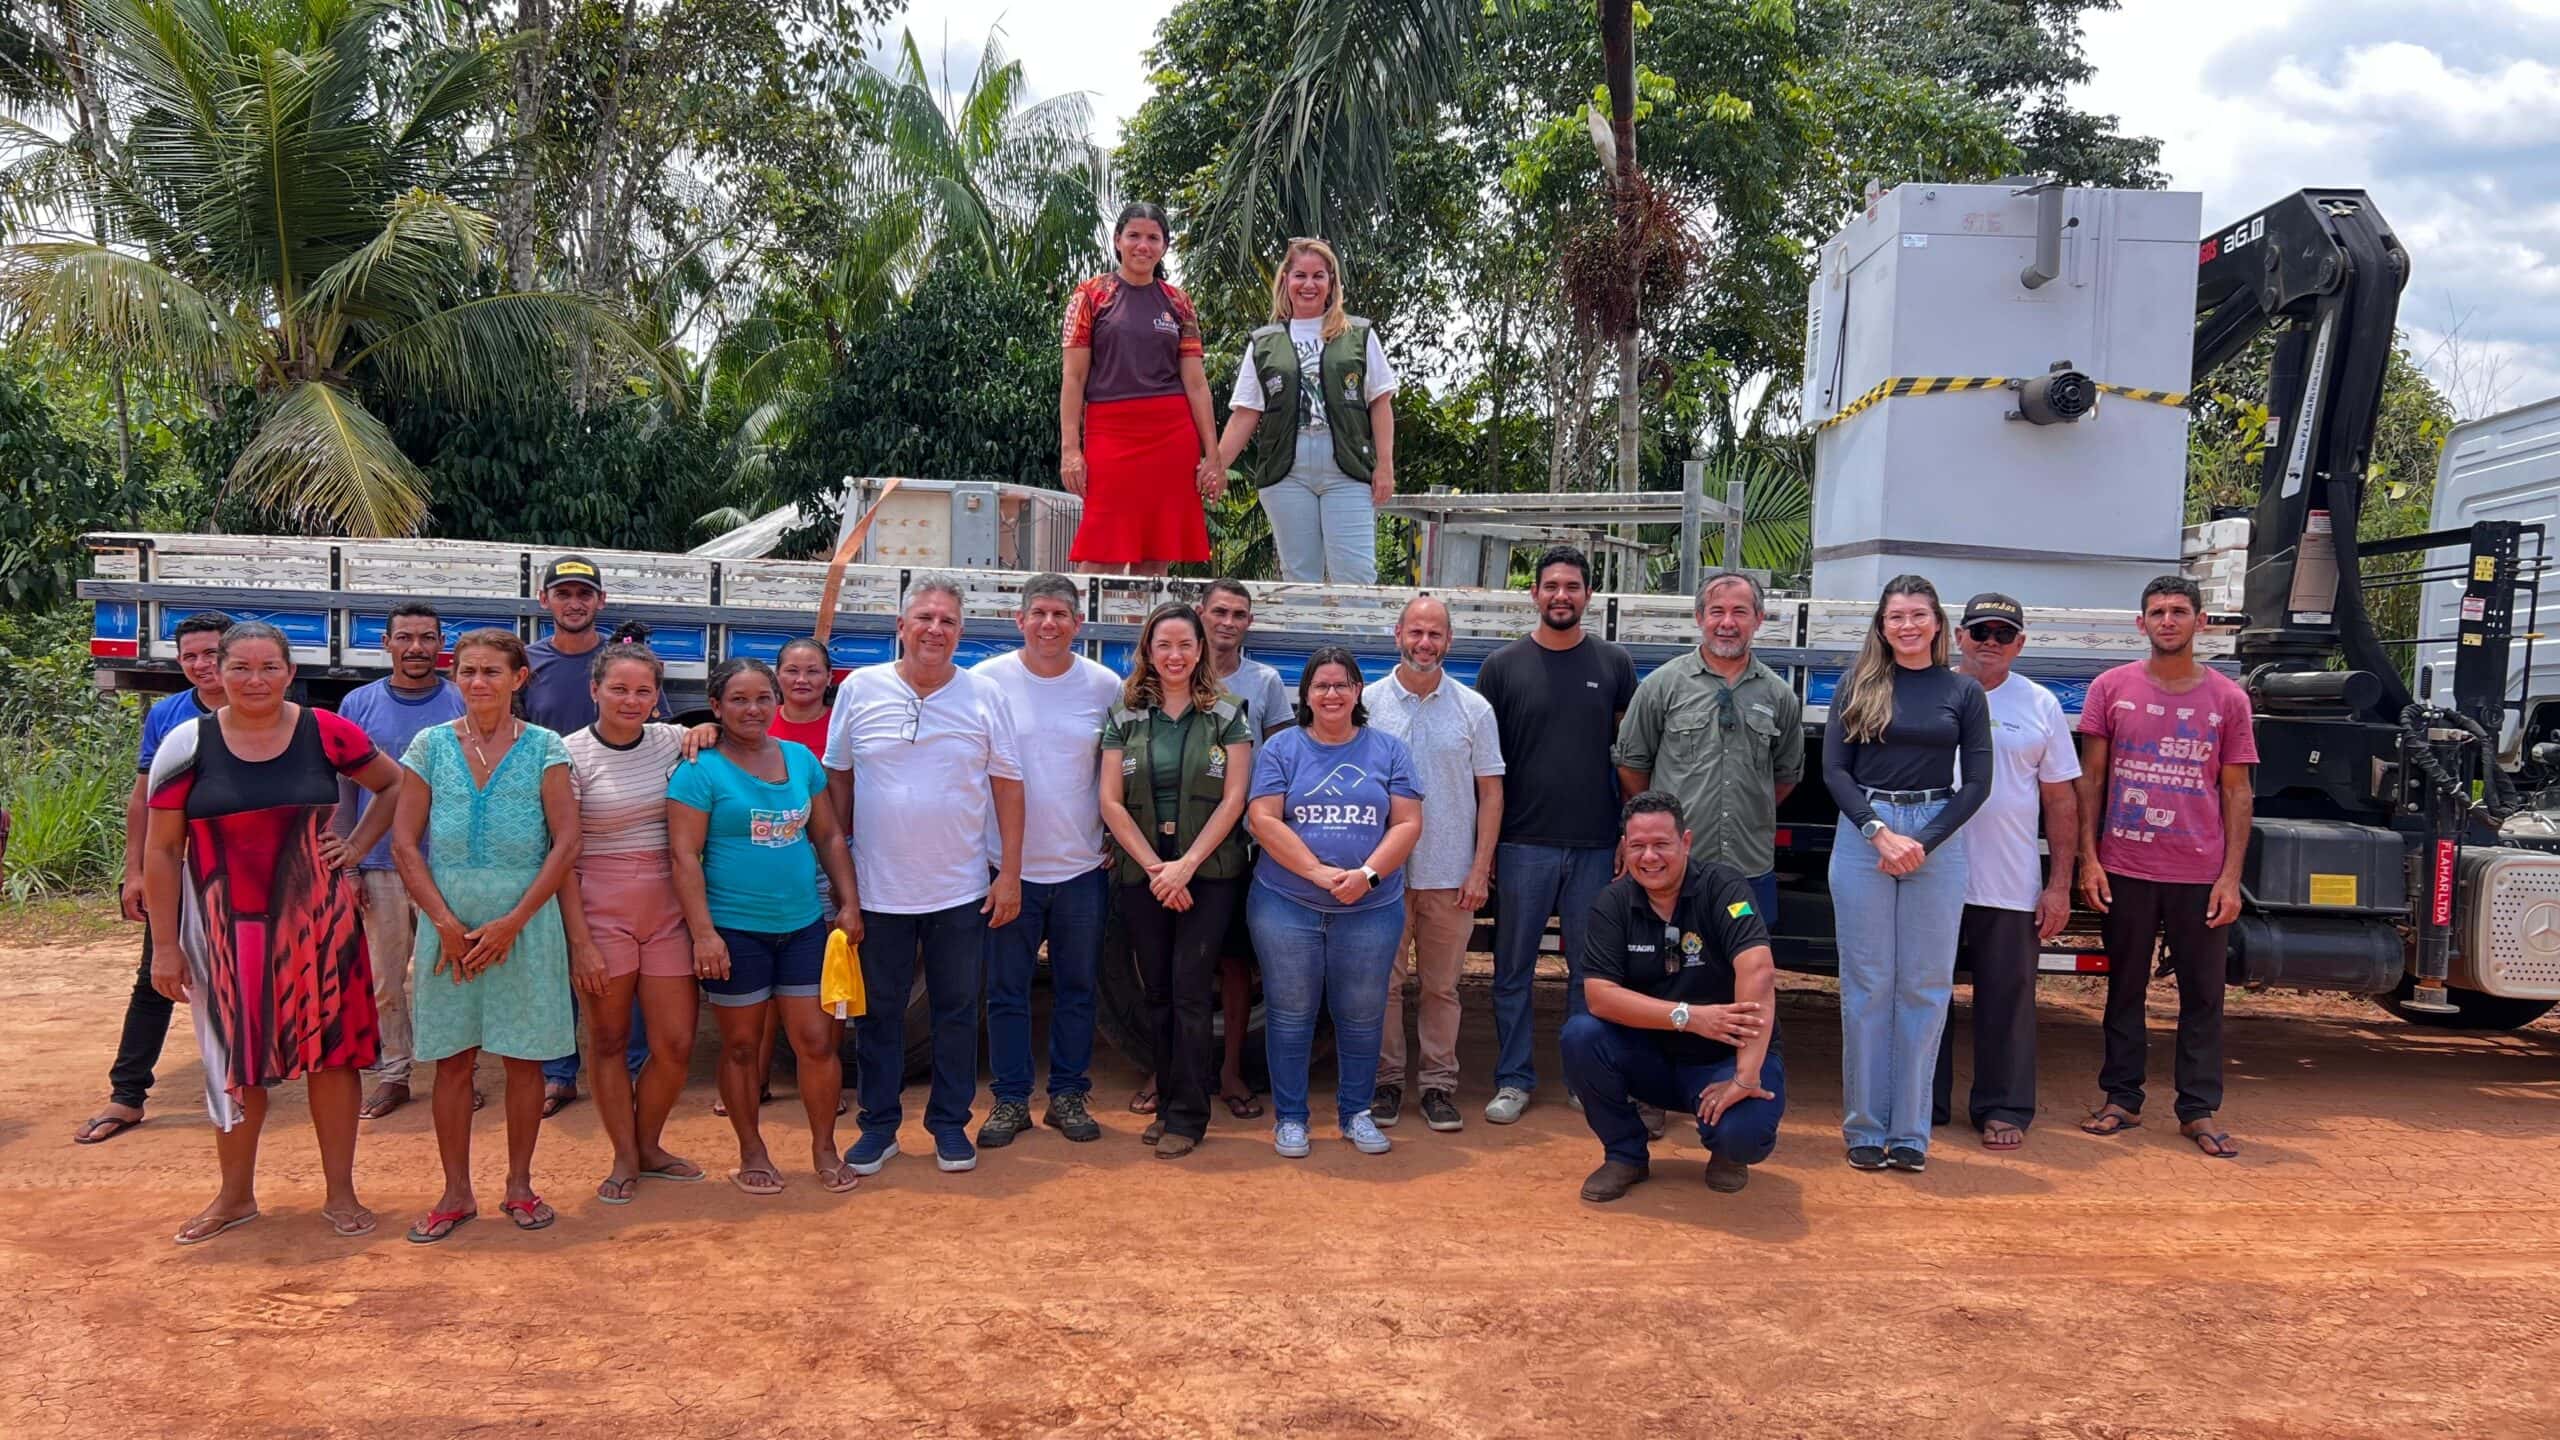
{"x": 2166, "y": 747}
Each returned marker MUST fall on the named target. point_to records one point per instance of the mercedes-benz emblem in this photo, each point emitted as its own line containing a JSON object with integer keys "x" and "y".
{"x": 2541, "y": 927}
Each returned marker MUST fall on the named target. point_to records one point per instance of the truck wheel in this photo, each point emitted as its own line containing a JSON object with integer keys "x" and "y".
{"x": 2472, "y": 1010}
{"x": 1120, "y": 1010}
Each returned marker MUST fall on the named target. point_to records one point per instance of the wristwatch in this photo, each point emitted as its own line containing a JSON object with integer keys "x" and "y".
{"x": 1871, "y": 829}
{"x": 1372, "y": 875}
{"x": 1680, "y": 1016}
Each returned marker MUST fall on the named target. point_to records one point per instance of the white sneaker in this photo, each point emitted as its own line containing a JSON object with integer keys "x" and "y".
{"x": 1505, "y": 1106}
{"x": 1364, "y": 1135}
{"x": 1289, "y": 1137}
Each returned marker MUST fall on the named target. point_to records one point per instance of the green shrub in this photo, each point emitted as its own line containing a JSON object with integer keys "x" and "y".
{"x": 69, "y": 766}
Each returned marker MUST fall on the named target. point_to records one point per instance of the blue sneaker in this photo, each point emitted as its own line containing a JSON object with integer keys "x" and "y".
{"x": 1289, "y": 1137}
{"x": 952, "y": 1151}
{"x": 870, "y": 1153}
{"x": 1364, "y": 1136}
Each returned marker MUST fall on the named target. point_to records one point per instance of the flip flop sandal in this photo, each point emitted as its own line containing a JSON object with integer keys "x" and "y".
{"x": 2215, "y": 1144}
{"x": 1243, "y": 1107}
{"x": 841, "y": 1181}
{"x": 2002, "y": 1137}
{"x": 2102, "y": 1122}
{"x": 99, "y": 1129}
{"x": 1144, "y": 1102}
{"x": 373, "y": 1111}
{"x": 739, "y": 1179}
{"x": 554, "y": 1104}
{"x": 527, "y": 1213}
{"x": 440, "y": 1225}
{"x": 183, "y": 1238}
{"x": 671, "y": 1174}
{"x": 606, "y": 1187}
{"x": 339, "y": 1226}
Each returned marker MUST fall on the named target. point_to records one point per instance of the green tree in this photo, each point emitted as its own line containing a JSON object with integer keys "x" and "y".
{"x": 54, "y": 485}
{"x": 2021, "y": 56}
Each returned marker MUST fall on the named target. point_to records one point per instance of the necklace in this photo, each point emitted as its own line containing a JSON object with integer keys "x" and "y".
{"x": 471, "y": 740}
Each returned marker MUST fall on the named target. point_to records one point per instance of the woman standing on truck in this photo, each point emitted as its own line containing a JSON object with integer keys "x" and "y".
{"x": 1337, "y": 809}
{"x": 1314, "y": 406}
{"x": 626, "y": 931}
{"x": 1176, "y": 753}
{"x": 487, "y": 831}
{"x": 255, "y": 924}
{"x": 1135, "y": 435}
{"x": 1899, "y": 726}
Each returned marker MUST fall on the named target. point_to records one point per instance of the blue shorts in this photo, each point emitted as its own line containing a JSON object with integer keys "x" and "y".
{"x": 763, "y": 965}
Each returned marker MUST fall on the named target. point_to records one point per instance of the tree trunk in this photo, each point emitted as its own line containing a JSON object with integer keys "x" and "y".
{"x": 1618, "y": 58}
{"x": 517, "y": 224}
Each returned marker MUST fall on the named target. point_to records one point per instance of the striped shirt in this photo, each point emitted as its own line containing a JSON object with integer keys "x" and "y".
{"x": 622, "y": 792}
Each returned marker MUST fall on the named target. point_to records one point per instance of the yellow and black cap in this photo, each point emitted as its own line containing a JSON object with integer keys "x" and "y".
{"x": 1994, "y": 606}
{"x": 572, "y": 570}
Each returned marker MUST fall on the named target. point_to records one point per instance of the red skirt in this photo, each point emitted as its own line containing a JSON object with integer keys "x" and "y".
{"x": 1141, "y": 494}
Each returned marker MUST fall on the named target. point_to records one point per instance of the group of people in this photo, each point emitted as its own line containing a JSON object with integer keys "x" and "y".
{"x": 571, "y": 855}
{"x": 1311, "y": 417}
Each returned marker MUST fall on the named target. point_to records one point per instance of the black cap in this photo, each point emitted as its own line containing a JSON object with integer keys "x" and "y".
{"x": 1992, "y": 605}
{"x": 574, "y": 569}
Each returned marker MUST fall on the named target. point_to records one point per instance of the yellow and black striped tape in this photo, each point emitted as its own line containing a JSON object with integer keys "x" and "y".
{"x": 1950, "y": 384}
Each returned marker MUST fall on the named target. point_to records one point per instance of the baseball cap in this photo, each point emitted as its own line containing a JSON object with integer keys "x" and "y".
{"x": 1992, "y": 605}
{"x": 573, "y": 569}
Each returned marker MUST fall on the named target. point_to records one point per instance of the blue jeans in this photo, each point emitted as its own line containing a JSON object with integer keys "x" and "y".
{"x": 1613, "y": 1068}
{"x": 1069, "y": 915}
{"x": 953, "y": 944}
{"x": 1336, "y": 958}
{"x": 564, "y": 1071}
{"x": 1323, "y": 522}
{"x": 1530, "y": 883}
{"x": 1897, "y": 967}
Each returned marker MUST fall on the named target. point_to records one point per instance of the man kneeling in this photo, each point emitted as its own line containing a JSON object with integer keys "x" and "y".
{"x": 1681, "y": 990}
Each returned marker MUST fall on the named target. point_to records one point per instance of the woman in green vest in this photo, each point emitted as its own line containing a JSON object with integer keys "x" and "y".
{"x": 1176, "y": 755}
{"x": 1324, "y": 462}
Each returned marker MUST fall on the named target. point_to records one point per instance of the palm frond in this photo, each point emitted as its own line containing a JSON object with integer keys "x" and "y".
{"x": 88, "y": 299}
{"x": 489, "y": 345}
{"x": 430, "y": 245}
{"x": 325, "y": 463}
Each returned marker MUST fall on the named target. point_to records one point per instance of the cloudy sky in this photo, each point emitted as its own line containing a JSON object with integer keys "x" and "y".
{"x": 2448, "y": 111}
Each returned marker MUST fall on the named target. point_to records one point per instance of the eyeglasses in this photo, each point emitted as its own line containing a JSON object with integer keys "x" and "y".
{"x": 915, "y": 721}
{"x": 1989, "y": 634}
{"x": 1331, "y": 687}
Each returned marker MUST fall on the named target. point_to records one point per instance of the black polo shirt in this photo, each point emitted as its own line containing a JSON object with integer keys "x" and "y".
{"x": 1689, "y": 958}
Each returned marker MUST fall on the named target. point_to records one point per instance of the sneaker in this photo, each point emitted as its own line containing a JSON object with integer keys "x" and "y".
{"x": 1726, "y": 1176}
{"x": 1613, "y": 1179}
{"x": 1068, "y": 1116}
{"x": 1438, "y": 1113}
{"x": 1505, "y": 1106}
{"x": 1008, "y": 1119}
{"x": 1362, "y": 1132}
{"x": 952, "y": 1152}
{"x": 1866, "y": 1157}
{"x": 1654, "y": 1120}
{"x": 1907, "y": 1157}
{"x": 1387, "y": 1107}
{"x": 871, "y": 1152}
{"x": 1289, "y": 1137}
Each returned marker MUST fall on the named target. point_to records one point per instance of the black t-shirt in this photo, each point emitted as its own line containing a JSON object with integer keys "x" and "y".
{"x": 1689, "y": 957}
{"x": 1941, "y": 724}
{"x": 1557, "y": 712}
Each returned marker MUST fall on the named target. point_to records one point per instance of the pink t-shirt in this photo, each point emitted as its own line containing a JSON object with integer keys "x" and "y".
{"x": 2165, "y": 753}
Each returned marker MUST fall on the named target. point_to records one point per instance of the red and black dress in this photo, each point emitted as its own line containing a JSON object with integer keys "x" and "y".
{"x": 1141, "y": 442}
{"x": 280, "y": 983}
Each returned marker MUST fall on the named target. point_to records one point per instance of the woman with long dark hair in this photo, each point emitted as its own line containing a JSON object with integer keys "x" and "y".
{"x": 1899, "y": 725}
{"x": 1135, "y": 435}
{"x": 1176, "y": 753}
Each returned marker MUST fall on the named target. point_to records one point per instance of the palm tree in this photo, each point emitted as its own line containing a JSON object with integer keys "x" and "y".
{"x": 290, "y": 207}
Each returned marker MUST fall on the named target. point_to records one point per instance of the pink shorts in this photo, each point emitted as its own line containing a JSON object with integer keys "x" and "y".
{"x": 633, "y": 915}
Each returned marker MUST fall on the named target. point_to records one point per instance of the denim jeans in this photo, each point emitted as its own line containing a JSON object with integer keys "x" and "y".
{"x": 564, "y": 1071}
{"x": 1897, "y": 967}
{"x": 1323, "y": 522}
{"x": 1530, "y": 883}
{"x": 1335, "y": 958}
{"x": 1613, "y": 1068}
{"x": 1069, "y": 915}
{"x": 953, "y": 946}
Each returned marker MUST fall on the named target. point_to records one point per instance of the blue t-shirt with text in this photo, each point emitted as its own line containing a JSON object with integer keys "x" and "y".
{"x": 1336, "y": 798}
{"x": 759, "y": 869}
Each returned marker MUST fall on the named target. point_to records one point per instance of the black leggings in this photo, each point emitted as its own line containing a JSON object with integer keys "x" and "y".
{"x": 1177, "y": 954}
{"x": 146, "y": 1029}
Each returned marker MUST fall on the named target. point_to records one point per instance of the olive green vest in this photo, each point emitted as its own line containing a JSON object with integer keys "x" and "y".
{"x": 1344, "y": 369}
{"x": 1204, "y": 786}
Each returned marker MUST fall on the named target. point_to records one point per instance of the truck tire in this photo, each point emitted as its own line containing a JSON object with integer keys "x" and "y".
{"x": 2472, "y": 1010}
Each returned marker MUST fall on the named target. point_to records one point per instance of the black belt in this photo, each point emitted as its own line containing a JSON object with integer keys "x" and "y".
{"x": 1910, "y": 797}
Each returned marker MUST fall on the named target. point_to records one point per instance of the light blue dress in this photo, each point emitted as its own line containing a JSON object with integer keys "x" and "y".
{"x": 485, "y": 844}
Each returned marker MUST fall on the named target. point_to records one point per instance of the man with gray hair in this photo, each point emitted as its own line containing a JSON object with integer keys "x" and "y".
{"x": 1724, "y": 734}
{"x": 922, "y": 765}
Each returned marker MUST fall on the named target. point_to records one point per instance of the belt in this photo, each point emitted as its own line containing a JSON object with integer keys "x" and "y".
{"x": 1910, "y": 797}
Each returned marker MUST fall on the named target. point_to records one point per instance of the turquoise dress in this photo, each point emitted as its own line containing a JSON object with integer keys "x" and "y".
{"x": 484, "y": 846}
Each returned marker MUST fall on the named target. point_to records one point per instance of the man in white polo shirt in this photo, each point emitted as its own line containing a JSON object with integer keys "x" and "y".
{"x": 1457, "y": 754}
{"x": 1058, "y": 701}
{"x": 921, "y": 762}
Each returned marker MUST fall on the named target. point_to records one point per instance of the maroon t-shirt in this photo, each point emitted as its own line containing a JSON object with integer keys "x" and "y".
{"x": 1139, "y": 335}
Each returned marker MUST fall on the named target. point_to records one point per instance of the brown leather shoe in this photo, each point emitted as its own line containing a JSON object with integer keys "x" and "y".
{"x": 1613, "y": 1179}
{"x": 1726, "y": 1176}
{"x": 1174, "y": 1147}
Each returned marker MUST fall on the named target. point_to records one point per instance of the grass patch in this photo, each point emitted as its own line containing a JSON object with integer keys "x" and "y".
{"x": 74, "y": 920}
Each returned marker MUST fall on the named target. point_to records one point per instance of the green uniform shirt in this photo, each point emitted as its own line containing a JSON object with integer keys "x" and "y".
{"x": 1722, "y": 750}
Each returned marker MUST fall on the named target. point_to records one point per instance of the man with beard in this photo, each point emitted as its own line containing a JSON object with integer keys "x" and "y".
{"x": 1557, "y": 694}
{"x": 392, "y": 711}
{"x": 1724, "y": 734}
{"x": 1457, "y": 755}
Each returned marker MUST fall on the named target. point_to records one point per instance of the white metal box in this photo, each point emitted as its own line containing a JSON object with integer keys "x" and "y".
{"x": 1926, "y": 282}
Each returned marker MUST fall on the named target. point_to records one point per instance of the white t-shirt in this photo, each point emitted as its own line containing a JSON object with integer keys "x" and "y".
{"x": 2031, "y": 745}
{"x": 1058, "y": 725}
{"x": 1455, "y": 740}
{"x": 1307, "y": 338}
{"x": 1267, "y": 699}
{"x": 921, "y": 803}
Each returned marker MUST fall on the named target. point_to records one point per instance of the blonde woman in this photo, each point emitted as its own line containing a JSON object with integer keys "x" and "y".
{"x": 1324, "y": 462}
{"x": 1899, "y": 724}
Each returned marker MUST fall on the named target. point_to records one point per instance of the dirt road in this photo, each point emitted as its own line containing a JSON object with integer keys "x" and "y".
{"x": 2383, "y": 1259}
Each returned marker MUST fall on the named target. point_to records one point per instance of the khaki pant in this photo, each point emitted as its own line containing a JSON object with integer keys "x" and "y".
{"x": 390, "y": 937}
{"x": 1434, "y": 946}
